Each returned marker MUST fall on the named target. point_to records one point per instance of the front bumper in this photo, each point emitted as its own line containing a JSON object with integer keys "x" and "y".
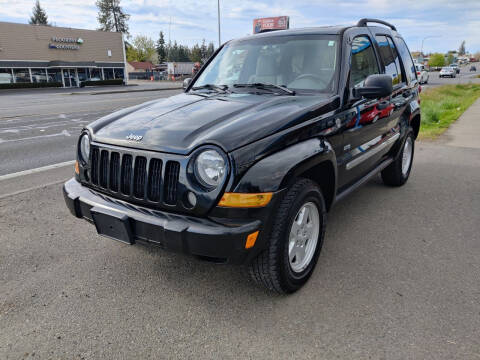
{"x": 203, "y": 237}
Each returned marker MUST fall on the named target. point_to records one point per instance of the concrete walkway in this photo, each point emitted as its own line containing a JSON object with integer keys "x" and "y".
{"x": 465, "y": 132}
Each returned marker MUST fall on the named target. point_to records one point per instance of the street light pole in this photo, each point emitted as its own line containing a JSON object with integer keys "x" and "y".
{"x": 425, "y": 38}
{"x": 218, "y": 7}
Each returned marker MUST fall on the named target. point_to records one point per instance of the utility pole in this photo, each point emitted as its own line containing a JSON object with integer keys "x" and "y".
{"x": 425, "y": 38}
{"x": 219, "y": 39}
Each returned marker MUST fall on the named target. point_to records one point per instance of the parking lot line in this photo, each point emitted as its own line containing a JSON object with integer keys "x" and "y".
{"x": 36, "y": 170}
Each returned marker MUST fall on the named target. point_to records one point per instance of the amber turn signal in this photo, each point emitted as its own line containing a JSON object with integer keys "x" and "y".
{"x": 77, "y": 169}
{"x": 245, "y": 200}
{"x": 251, "y": 240}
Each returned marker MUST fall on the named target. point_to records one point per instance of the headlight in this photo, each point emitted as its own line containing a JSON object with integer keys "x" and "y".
{"x": 210, "y": 168}
{"x": 85, "y": 147}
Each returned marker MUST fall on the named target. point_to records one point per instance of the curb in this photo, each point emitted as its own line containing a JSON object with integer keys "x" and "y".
{"x": 123, "y": 91}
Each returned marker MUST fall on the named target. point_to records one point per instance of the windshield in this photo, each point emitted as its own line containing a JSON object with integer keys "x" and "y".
{"x": 306, "y": 62}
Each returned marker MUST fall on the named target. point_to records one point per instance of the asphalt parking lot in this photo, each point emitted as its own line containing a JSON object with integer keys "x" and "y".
{"x": 41, "y": 127}
{"x": 397, "y": 277}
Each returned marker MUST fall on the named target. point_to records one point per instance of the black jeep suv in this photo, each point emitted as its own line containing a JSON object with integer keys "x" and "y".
{"x": 245, "y": 164}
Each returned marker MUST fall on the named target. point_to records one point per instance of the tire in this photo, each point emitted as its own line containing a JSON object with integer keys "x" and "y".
{"x": 397, "y": 173}
{"x": 276, "y": 268}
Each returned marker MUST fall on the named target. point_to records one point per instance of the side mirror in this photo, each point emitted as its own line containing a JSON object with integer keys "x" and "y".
{"x": 186, "y": 82}
{"x": 375, "y": 86}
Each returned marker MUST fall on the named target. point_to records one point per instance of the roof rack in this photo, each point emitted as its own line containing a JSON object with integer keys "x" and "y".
{"x": 363, "y": 22}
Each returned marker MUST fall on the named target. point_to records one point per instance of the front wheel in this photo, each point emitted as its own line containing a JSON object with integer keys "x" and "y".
{"x": 295, "y": 241}
{"x": 397, "y": 173}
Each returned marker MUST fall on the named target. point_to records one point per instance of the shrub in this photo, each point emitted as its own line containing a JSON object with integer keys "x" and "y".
{"x": 30, "y": 85}
{"x": 104, "y": 82}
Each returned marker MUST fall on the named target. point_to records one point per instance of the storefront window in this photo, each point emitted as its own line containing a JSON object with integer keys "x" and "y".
{"x": 108, "y": 73}
{"x": 54, "y": 75}
{"x": 95, "y": 74}
{"x": 82, "y": 74}
{"x": 6, "y": 76}
{"x": 39, "y": 75}
{"x": 21, "y": 75}
{"x": 118, "y": 73}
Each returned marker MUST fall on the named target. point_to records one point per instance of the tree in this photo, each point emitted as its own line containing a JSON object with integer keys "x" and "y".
{"x": 436, "y": 60}
{"x": 161, "y": 48}
{"x": 111, "y": 16}
{"x": 39, "y": 16}
{"x": 132, "y": 54}
{"x": 450, "y": 59}
{"x": 210, "y": 49}
{"x": 144, "y": 49}
{"x": 461, "y": 49}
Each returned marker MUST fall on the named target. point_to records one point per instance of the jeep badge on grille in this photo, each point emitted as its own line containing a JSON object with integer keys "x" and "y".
{"x": 134, "y": 137}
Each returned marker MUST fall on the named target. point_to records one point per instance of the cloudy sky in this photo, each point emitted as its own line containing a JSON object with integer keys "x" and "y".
{"x": 447, "y": 22}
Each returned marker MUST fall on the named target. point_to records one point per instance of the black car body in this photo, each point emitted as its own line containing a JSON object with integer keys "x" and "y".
{"x": 140, "y": 182}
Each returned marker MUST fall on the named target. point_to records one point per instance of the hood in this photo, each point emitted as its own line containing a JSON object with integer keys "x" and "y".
{"x": 181, "y": 123}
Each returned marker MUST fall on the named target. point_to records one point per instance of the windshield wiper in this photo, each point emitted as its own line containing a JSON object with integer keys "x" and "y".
{"x": 266, "y": 86}
{"x": 222, "y": 88}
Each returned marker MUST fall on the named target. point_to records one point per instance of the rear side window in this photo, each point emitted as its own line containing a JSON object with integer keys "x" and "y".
{"x": 389, "y": 55}
{"x": 407, "y": 60}
{"x": 364, "y": 62}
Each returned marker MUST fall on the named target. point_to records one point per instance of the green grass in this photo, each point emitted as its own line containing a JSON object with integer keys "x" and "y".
{"x": 442, "y": 105}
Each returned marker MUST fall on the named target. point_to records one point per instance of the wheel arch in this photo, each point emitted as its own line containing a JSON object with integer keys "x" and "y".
{"x": 415, "y": 124}
{"x": 313, "y": 159}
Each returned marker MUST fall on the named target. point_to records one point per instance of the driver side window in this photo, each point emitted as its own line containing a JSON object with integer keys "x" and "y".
{"x": 363, "y": 61}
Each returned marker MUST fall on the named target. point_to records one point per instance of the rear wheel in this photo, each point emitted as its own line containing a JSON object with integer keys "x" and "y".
{"x": 397, "y": 173}
{"x": 295, "y": 241}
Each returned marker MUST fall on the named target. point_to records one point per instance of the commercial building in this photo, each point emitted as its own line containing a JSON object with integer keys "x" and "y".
{"x": 39, "y": 54}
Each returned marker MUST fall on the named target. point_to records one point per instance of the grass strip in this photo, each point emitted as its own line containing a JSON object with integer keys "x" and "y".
{"x": 442, "y": 105}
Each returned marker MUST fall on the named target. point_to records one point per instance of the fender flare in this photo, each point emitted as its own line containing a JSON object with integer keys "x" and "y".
{"x": 279, "y": 170}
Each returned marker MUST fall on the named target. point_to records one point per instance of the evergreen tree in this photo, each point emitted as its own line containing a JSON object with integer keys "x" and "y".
{"x": 210, "y": 50}
{"x": 204, "y": 51}
{"x": 39, "y": 16}
{"x": 111, "y": 16}
{"x": 161, "y": 48}
{"x": 461, "y": 50}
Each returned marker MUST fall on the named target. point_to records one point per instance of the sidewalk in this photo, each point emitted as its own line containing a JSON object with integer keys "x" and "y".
{"x": 465, "y": 132}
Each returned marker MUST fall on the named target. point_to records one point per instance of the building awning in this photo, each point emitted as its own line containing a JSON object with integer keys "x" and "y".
{"x": 56, "y": 64}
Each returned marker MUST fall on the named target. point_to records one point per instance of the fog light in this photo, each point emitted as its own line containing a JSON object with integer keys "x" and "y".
{"x": 192, "y": 199}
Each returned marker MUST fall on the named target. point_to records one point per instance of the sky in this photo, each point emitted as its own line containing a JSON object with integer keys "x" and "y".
{"x": 445, "y": 23}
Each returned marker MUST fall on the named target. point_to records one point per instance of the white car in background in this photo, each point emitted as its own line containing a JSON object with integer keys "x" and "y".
{"x": 448, "y": 72}
{"x": 422, "y": 74}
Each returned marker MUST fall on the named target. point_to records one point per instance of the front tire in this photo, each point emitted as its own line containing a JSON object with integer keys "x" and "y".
{"x": 397, "y": 173}
{"x": 295, "y": 241}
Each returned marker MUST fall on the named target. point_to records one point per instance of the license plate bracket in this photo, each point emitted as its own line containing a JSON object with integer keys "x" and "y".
{"x": 112, "y": 224}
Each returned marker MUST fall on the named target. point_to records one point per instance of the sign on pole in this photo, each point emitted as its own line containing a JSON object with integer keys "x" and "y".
{"x": 271, "y": 23}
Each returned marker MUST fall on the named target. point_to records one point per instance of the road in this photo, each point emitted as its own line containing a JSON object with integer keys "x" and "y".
{"x": 397, "y": 279}
{"x": 40, "y": 128}
{"x": 464, "y": 77}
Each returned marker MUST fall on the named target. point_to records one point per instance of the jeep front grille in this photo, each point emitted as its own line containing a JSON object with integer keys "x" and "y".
{"x": 140, "y": 178}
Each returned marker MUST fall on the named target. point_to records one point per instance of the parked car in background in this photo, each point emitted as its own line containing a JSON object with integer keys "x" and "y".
{"x": 455, "y": 67}
{"x": 6, "y": 78}
{"x": 473, "y": 68}
{"x": 422, "y": 74}
{"x": 448, "y": 72}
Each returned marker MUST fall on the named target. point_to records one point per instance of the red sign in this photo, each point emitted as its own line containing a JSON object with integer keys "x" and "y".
{"x": 271, "y": 23}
